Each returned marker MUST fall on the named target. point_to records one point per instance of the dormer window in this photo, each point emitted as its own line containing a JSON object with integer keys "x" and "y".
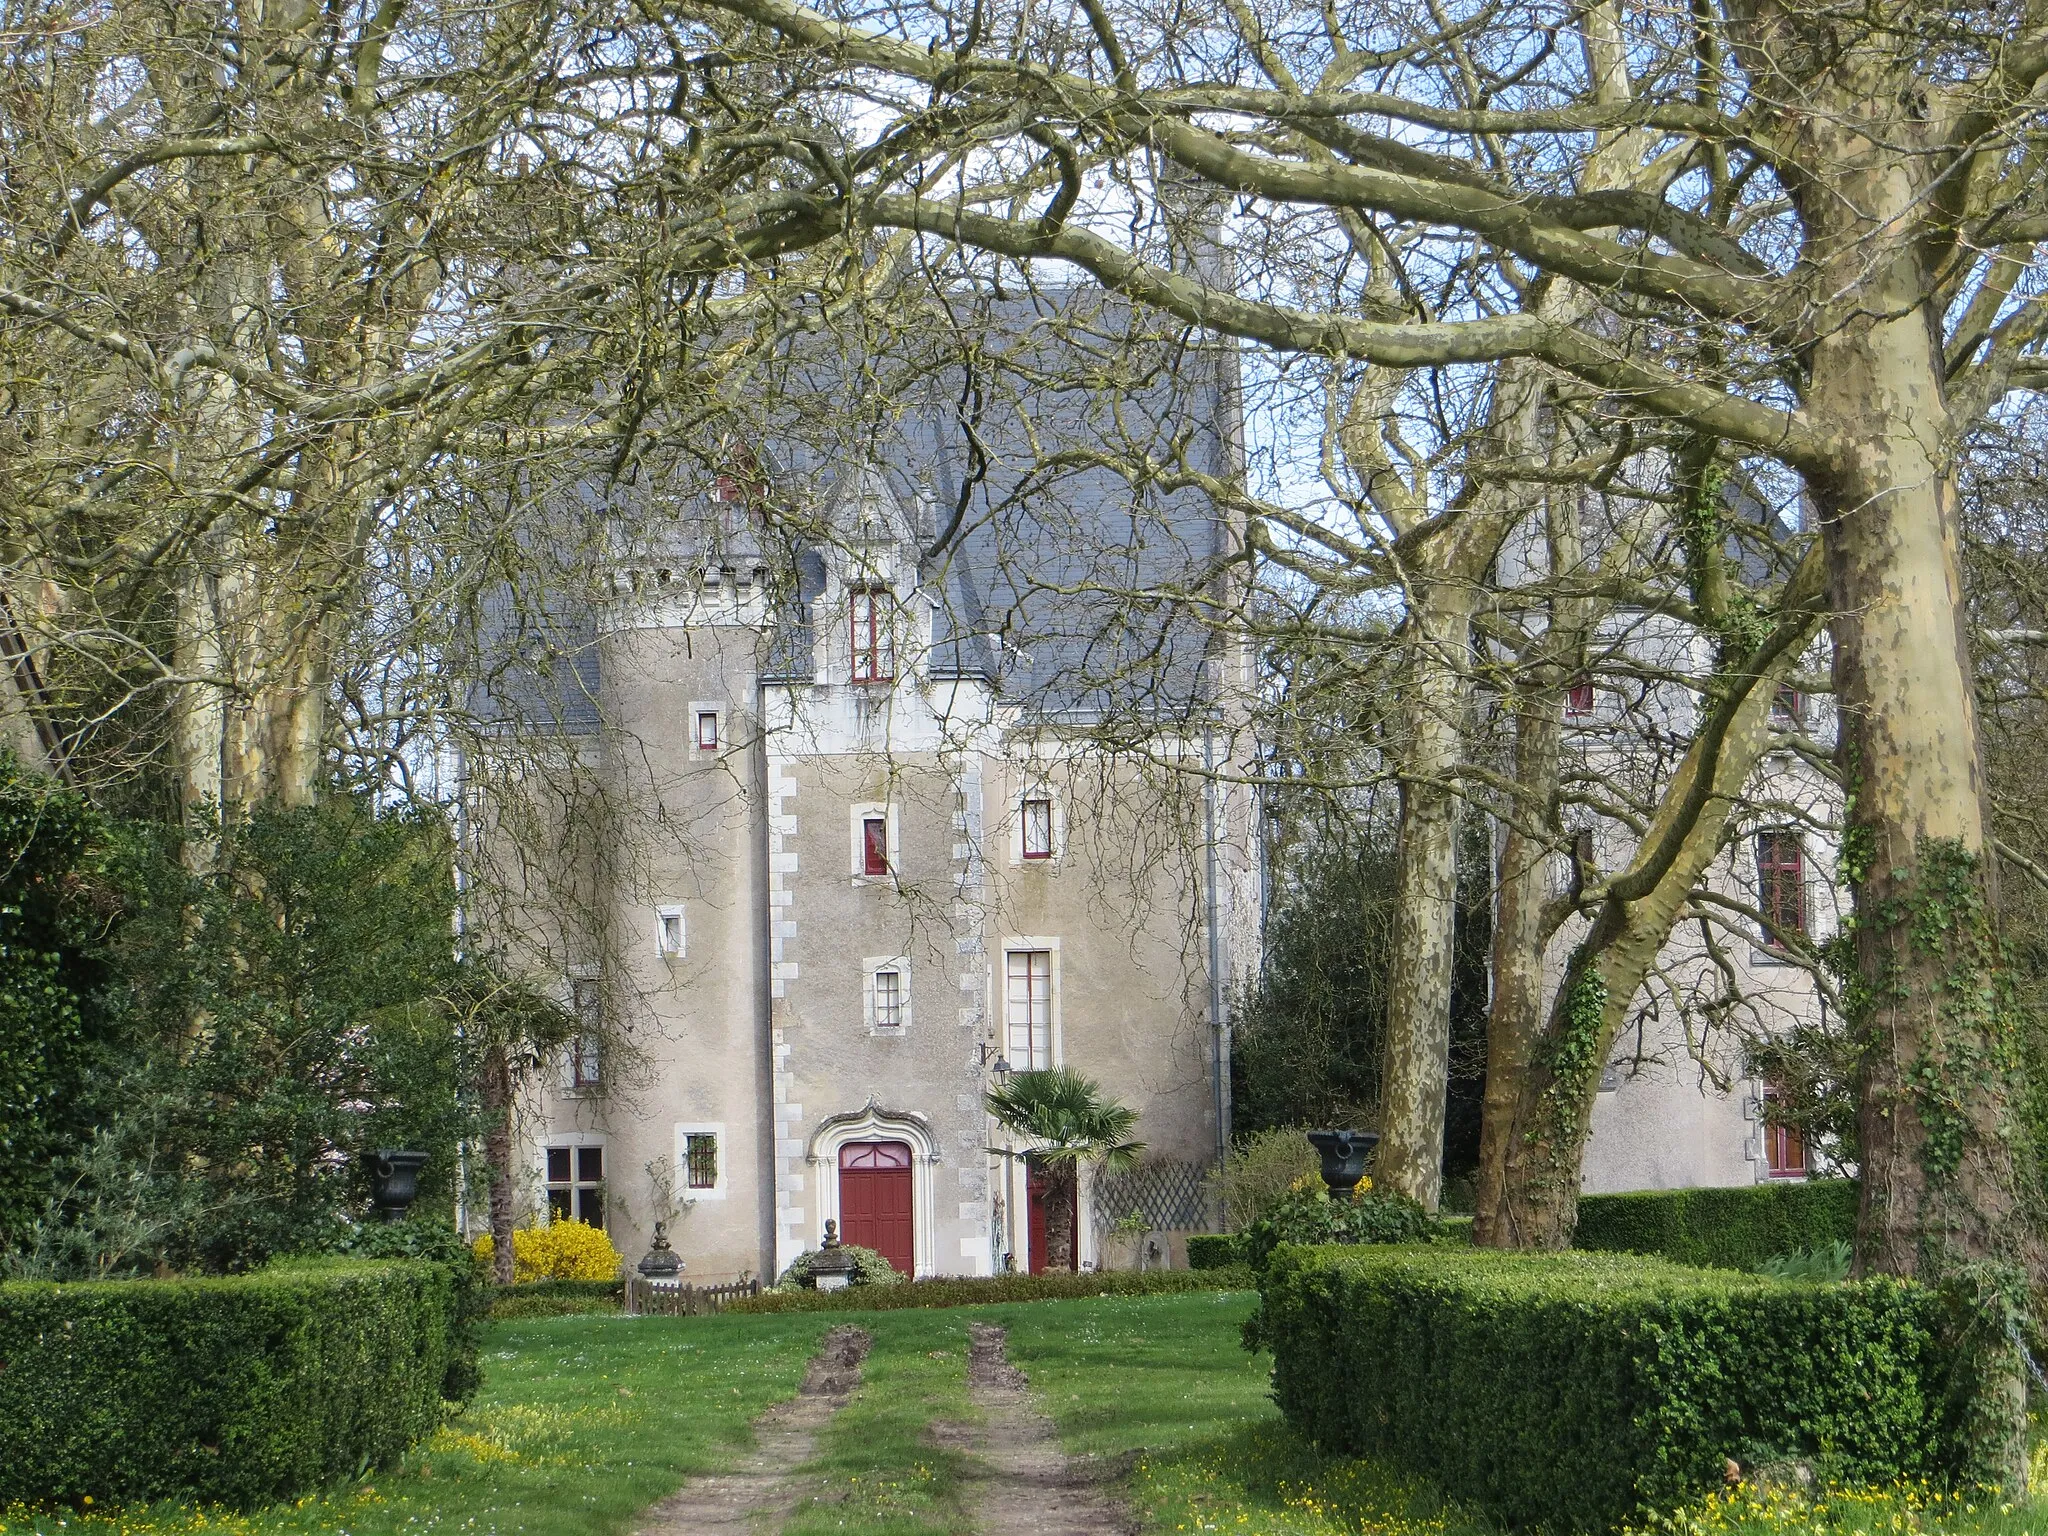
{"x": 872, "y": 615}
{"x": 740, "y": 483}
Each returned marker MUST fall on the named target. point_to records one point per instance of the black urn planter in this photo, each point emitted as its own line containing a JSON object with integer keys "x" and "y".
{"x": 1344, "y": 1154}
{"x": 394, "y": 1181}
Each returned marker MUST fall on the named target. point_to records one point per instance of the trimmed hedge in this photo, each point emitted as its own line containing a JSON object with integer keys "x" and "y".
{"x": 1721, "y": 1228}
{"x": 434, "y": 1241}
{"x": 240, "y": 1391}
{"x": 557, "y": 1298}
{"x": 972, "y": 1292}
{"x": 1215, "y": 1250}
{"x": 1578, "y": 1391}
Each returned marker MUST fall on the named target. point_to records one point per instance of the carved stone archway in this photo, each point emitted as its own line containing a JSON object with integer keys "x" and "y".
{"x": 875, "y": 1123}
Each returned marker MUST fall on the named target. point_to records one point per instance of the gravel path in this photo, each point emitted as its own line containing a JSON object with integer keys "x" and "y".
{"x": 759, "y": 1493}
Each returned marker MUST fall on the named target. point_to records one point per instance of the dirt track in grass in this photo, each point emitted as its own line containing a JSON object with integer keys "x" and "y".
{"x": 763, "y": 1488}
{"x": 1019, "y": 1481}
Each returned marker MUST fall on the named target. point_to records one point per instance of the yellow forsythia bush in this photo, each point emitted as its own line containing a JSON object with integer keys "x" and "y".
{"x": 561, "y": 1250}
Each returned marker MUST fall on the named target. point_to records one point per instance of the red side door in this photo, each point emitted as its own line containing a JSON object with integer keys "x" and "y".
{"x": 874, "y": 1200}
{"x": 1041, "y": 1190}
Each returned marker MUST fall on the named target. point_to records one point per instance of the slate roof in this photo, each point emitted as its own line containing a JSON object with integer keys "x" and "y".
{"x": 1048, "y": 571}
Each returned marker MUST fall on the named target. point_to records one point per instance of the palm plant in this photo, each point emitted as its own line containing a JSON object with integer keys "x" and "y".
{"x": 1066, "y": 1118}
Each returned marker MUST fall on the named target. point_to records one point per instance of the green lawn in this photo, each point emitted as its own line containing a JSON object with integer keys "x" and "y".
{"x": 584, "y": 1421}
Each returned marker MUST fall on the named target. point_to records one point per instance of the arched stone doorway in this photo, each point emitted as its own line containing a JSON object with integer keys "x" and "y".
{"x": 874, "y": 1124}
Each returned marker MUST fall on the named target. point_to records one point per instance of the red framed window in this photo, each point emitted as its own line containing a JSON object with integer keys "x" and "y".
{"x": 1578, "y": 699}
{"x": 1788, "y": 706}
{"x": 1037, "y": 814}
{"x": 740, "y": 483}
{"x": 874, "y": 845}
{"x": 872, "y": 625}
{"x": 1784, "y": 1146}
{"x": 707, "y": 730}
{"x": 1781, "y": 885}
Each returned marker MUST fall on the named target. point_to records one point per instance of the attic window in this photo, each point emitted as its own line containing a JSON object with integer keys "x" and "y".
{"x": 871, "y": 620}
{"x": 740, "y": 482}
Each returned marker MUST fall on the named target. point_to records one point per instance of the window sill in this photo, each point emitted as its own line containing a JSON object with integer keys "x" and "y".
{"x": 1776, "y": 959}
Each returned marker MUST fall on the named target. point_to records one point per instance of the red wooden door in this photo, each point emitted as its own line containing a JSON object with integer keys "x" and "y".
{"x": 1042, "y": 1188}
{"x": 874, "y": 1200}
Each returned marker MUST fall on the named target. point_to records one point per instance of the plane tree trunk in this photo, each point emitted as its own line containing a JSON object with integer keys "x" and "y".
{"x": 1416, "y": 1067}
{"x": 1514, "y": 1022}
{"x": 1941, "y": 1085}
{"x": 1537, "y": 1116}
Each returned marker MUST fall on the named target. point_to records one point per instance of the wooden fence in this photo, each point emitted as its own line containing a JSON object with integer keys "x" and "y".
{"x": 647, "y": 1300}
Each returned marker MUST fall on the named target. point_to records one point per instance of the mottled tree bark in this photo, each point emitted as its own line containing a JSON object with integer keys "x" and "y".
{"x": 1940, "y": 1085}
{"x": 1416, "y": 1065}
{"x": 1514, "y": 1022}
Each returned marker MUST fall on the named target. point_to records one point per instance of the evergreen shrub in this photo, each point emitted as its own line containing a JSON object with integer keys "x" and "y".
{"x": 1735, "y": 1228}
{"x": 976, "y": 1291}
{"x": 557, "y": 1298}
{"x": 1576, "y": 1391}
{"x": 239, "y": 1391}
{"x": 869, "y": 1268}
{"x": 1215, "y": 1250}
{"x": 1309, "y": 1215}
{"x": 433, "y": 1240}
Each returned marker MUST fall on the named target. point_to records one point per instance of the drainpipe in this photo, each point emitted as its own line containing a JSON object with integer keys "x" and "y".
{"x": 1218, "y": 1026}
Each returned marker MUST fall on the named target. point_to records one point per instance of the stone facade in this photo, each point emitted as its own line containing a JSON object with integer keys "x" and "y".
{"x": 771, "y": 990}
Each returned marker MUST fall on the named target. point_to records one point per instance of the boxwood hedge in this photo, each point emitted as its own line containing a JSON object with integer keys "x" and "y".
{"x": 239, "y": 1390}
{"x": 557, "y": 1298}
{"x": 1724, "y": 1228}
{"x": 1574, "y": 1391}
{"x": 971, "y": 1292}
{"x": 1215, "y": 1250}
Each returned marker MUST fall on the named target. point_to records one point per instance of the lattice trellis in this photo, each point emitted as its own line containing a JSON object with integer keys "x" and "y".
{"x": 1170, "y": 1196}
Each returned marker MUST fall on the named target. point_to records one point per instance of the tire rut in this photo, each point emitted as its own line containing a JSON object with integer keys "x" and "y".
{"x": 1019, "y": 1481}
{"x": 762, "y": 1489}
